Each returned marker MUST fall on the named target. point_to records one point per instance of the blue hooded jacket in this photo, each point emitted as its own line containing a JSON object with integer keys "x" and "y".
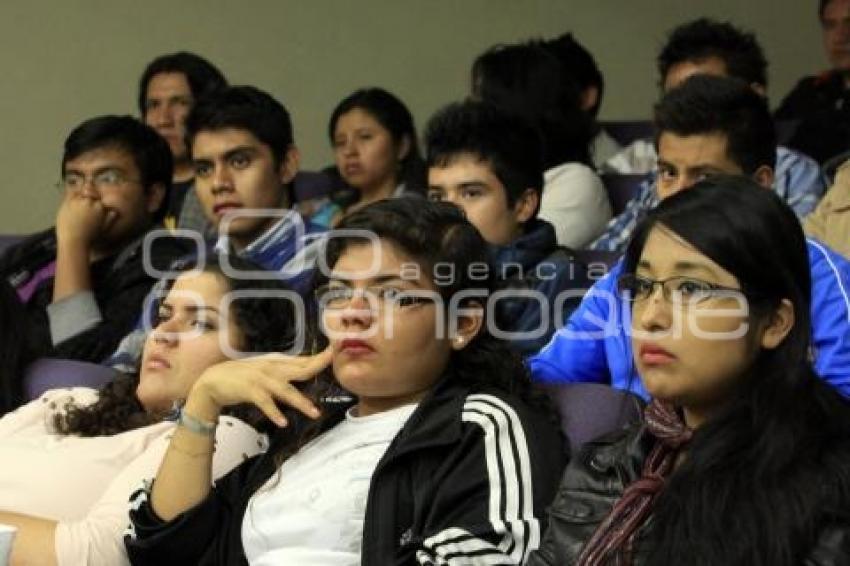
{"x": 538, "y": 285}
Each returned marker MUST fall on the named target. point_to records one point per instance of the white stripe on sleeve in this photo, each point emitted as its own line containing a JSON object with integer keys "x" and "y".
{"x": 511, "y": 502}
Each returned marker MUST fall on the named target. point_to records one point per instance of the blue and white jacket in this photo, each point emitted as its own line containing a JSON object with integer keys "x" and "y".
{"x": 595, "y": 346}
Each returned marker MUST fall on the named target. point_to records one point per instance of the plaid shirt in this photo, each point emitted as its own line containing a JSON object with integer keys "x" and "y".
{"x": 619, "y": 230}
{"x": 797, "y": 180}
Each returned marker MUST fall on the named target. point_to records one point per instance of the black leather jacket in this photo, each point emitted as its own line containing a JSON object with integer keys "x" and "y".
{"x": 596, "y": 478}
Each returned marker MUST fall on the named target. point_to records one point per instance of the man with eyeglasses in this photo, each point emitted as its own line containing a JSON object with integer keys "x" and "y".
{"x": 83, "y": 281}
{"x": 709, "y": 125}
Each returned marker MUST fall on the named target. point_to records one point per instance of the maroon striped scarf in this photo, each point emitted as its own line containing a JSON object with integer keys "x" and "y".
{"x": 614, "y": 538}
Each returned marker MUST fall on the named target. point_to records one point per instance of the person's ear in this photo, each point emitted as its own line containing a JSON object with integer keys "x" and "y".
{"x": 589, "y": 98}
{"x": 154, "y": 196}
{"x": 764, "y": 176}
{"x": 470, "y": 319}
{"x": 759, "y": 89}
{"x": 526, "y": 205}
{"x": 403, "y": 148}
{"x": 778, "y": 326}
{"x": 289, "y": 165}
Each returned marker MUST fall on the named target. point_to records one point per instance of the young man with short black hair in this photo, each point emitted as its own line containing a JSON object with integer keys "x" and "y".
{"x": 244, "y": 157}
{"x": 490, "y": 163}
{"x": 709, "y": 47}
{"x": 707, "y": 125}
{"x": 83, "y": 282}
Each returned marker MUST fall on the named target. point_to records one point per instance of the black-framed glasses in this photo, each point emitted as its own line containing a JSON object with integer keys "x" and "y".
{"x": 679, "y": 290}
{"x": 107, "y": 179}
{"x": 338, "y": 297}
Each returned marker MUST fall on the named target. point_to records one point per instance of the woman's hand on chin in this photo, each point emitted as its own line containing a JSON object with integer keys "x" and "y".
{"x": 262, "y": 380}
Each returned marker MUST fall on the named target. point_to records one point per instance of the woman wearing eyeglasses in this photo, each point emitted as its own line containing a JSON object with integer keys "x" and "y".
{"x": 743, "y": 457}
{"x": 413, "y": 438}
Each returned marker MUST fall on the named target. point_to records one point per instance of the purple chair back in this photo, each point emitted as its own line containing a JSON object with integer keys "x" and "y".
{"x": 621, "y": 189}
{"x": 49, "y": 373}
{"x": 627, "y": 131}
{"x": 309, "y": 185}
{"x": 589, "y": 410}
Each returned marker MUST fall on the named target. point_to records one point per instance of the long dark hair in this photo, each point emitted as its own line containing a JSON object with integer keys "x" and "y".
{"x": 268, "y": 325}
{"x": 393, "y": 115}
{"x": 430, "y": 233}
{"x": 531, "y": 81}
{"x": 773, "y": 465}
{"x": 203, "y": 77}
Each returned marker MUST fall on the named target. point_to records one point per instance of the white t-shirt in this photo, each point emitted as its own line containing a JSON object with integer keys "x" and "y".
{"x": 602, "y": 148}
{"x": 85, "y": 483}
{"x": 311, "y": 513}
{"x": 575, "y": 203}
{"x": 637, "y": 158}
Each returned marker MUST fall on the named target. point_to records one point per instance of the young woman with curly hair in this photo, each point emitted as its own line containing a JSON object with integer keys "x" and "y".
{"x": 72, "y": 458}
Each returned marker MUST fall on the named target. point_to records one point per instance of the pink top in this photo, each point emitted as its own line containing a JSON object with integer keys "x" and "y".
{"x": 85, "y": 483}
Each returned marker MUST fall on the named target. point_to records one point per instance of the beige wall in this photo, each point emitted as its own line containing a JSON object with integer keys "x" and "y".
{"x": 63, "y": 62}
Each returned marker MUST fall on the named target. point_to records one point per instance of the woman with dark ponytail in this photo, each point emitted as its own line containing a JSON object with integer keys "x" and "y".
{"x": 743, "y": 457}
{"x": 376, "y": 151}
